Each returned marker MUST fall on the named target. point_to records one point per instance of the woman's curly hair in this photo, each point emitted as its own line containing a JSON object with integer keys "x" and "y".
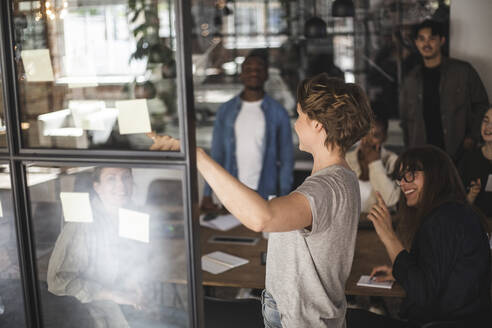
{"x": 342, "y": 108}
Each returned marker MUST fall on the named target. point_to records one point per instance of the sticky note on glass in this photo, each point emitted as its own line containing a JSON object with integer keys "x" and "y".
{"x": 133, "y": 116}
{"x": 134, "y": 225}
{"x": 76, "y": 206}
{"x": 37, "y": 65}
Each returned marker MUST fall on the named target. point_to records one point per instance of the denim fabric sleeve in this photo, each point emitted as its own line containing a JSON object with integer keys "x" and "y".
{"x": 217, "y": 151}
{"x": 286, "y": 154}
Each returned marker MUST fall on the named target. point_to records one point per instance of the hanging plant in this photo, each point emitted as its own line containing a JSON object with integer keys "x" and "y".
{"x": 144, "y": 15}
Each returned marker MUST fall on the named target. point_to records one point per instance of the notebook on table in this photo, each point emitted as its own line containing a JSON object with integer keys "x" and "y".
{"x": 218, "y": 262}
{"x": 220, "y": 222}
{"x": 367, "y": 281}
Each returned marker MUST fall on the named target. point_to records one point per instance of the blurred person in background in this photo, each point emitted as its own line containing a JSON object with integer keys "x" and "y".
{"x": 374, "y": 165}
{"x": 252, "y": 137}
{"x": 443, "y": 99}
{"x": 476, "y": 169}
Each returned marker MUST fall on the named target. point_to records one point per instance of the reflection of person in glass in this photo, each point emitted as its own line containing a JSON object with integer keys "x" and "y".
{"x": 91, "y": 262}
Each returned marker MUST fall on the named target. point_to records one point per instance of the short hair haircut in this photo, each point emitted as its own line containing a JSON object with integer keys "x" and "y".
{"x": 442, "y": 183}
{"x": 261, "y": 54}
{"x": 342, "y": 108}
{"x": 435, "y": 27}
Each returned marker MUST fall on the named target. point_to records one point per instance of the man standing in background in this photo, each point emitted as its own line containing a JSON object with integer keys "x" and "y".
{"x": 252, "y": 136}
{"x": 443, "y": 100}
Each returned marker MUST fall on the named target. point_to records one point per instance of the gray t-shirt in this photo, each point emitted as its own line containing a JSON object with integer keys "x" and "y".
{"x": 307, "y": 270}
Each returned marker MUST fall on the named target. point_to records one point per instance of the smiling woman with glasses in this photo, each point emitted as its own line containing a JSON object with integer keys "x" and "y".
{"x": 407, "y": 176}
{"x": 441, "y": 257}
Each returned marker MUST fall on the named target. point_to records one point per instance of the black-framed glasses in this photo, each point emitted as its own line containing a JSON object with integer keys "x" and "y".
{"x": 408, "y": 176}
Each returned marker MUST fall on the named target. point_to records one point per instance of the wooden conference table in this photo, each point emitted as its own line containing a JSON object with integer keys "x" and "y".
{"x": 369, "y": 253}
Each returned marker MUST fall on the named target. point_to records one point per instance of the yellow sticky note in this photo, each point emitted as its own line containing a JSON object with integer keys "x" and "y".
{"x": 134, "y": 225}
{"x": 133, "y": 116}
{"x": 37, "y": 65}
{"x": 76, "y": 206}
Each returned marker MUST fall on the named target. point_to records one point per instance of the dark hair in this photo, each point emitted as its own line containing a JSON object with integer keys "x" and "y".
{"x": 435, "y": 27}
{"x": 442, "y": 183}
{"x": 96, "y": 174}
{"x": 261, "y": 54}
{"x": 482, "y": 142}
{"x": 342, "y": 108}
{"x": 383, "y": 121}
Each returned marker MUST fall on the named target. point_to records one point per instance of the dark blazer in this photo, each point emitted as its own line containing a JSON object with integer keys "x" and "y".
{"x": 446, "y": 274}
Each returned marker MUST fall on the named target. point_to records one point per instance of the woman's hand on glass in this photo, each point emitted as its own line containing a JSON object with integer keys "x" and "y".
{"x": 382, "y": 273}
{"x": 164, "y": 142}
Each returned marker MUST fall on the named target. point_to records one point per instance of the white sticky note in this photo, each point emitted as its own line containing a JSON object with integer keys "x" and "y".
{"x": 37, "y": 65}
{"x": 76, "y": 206}
{"x": 133, "y": 116}
{"x": 82, "y": 85}
{"x": 134, "y": 225}
{"x": 1, "y": 210}
{"x": 488, "y": 186}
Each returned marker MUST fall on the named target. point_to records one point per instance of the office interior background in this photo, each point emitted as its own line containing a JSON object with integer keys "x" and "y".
{"x": 84, "y": 80}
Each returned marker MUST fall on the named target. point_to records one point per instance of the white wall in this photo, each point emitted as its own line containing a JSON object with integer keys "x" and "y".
{"x": 471, "y": 36}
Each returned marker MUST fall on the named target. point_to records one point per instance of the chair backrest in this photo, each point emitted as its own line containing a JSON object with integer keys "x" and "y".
{"x": 162, "y": 192}
{"x": 237, "y": 313}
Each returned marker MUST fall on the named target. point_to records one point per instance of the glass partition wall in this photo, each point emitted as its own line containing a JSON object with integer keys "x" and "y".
{"x": 97, "y": 230}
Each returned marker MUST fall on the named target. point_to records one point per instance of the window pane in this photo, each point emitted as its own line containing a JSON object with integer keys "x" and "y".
{"x": 96, "y": 74}
{"x": 3, "y": 128}
{"x": 110, "y": 245}
{"x": 11, "y": 300}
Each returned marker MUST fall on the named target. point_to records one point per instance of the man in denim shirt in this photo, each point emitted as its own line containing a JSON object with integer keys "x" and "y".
{"x": 252, "y": 136}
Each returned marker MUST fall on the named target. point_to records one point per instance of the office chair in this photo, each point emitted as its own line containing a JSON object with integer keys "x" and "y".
{"x": 237, "y": 313}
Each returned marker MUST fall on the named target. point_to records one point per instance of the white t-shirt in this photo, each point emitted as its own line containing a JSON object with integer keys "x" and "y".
{"x": 250, "y": 133}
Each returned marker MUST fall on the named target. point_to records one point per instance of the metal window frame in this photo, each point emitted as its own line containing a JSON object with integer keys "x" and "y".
{"x": 18, "y": 156}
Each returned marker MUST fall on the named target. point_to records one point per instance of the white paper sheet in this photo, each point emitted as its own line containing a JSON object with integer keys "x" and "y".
{"x": 82, "y": 85}
{"x": 76, "y": 206}
{"x": 134, "y": 225}
{"x": 221, "y": 222}
{"x": 133, "y": 116}
{"x": 37, "y": 65}
{"x": 218, "y": 262}
{"x": 488, "y": 186}
{"x": 366, "y": 281}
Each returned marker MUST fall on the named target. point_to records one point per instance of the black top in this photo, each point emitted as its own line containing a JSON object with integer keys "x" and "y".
{"x": 475, "y": 166}
{"x": 446, "y": 274}
{"x": 431, "y": 108}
